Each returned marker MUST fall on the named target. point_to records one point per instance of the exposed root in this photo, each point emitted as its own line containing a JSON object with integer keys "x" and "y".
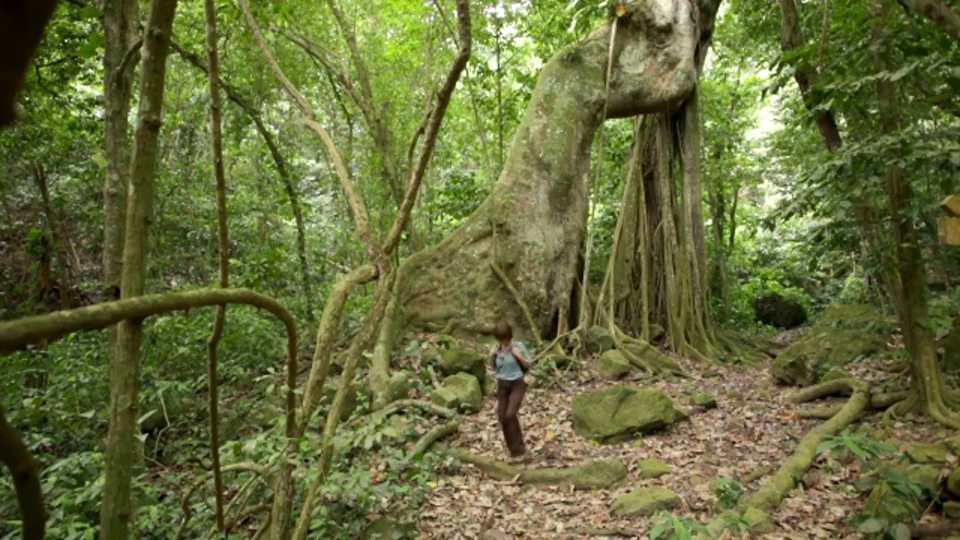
{"x": 591, "y": 475}
{"x": 26, "y": 479}
{"x": 796, "y": 465}
{"x": 878, "y": 401}
{"x": 432, "y": 436}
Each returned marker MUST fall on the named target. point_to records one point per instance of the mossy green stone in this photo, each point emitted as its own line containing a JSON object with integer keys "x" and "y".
{"x": 617, "y": 413}
{"x": 645, "y": 502}
{"x": 460, "y": 391}
{"x": 703, "y": 399}
{"x": 884, "y": 502}
{"x": 599, "y": 340}
{"x": 925, "y": 476}
{"x": 613, "y": 365}
{"x": 459, "y": 359}
{"x": 653, "y": 468}
{"x": 926, "y": 452}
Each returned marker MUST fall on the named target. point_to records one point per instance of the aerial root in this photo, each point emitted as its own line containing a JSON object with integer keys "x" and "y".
{"x": 795, "y": 466}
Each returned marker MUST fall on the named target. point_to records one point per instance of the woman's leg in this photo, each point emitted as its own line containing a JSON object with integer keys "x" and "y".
{"x": 511, "y": 425}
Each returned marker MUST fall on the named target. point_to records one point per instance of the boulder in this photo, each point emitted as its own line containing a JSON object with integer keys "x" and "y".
{"x": 459, "y": 359}
{"x": 617, "y": 413}
{"x": 953, "y": 483}
{"x": 653, "y": 468}
{"x": 703, "y": 399}
{"x": 806, "y": 360}
{"x": 926, "y": 453}
{"x": 399, "y": 386}
{"x": 953, "y": 444}
{"x": 613, "y": 365}
{"x": 925, "y": 476}
{"x": 645, "y": 502}
{"x": 599, "y": 340}
{"x": 778, "y": 311}
{"x": 656, "y": 332}
{"x": 842, "y": 334}
{"x": 460, "y": 391}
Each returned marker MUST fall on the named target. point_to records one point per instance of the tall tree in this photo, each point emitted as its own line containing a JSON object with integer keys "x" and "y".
{"x": 532, "y": 223}
{"x": 117, "y": 509}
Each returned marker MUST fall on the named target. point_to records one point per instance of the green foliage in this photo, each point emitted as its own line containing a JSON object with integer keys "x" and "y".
{"x": 856, "y": 444}
{"x": 672, "y": 527}
{"x": 727, "y": 490}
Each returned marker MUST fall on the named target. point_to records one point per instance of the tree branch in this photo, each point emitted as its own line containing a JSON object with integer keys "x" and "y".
{"x": 433, "y": 128}
{"x": 937, "y": 12}
{"x": 26, "y": 480}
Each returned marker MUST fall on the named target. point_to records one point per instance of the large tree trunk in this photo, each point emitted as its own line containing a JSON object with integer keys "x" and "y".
{"x": 532, "y": 223}
{"x": 116, "y": 513}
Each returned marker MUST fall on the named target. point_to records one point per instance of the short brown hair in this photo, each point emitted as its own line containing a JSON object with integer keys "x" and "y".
{"x": 503, "y": 331}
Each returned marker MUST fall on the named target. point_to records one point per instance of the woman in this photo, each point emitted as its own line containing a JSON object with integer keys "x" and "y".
{"x": 511, "y": 361}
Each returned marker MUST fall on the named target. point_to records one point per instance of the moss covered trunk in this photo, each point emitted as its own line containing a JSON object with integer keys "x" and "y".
{"x": 532, "y": 223}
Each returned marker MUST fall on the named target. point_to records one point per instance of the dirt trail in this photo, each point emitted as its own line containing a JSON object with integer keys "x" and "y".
{"x": 751, "y": 429}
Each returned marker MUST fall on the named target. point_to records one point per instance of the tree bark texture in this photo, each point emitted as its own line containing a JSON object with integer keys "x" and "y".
{"x": 926, "y": 380}
{"x": 119, "y": 29}
{"x": 539, "y": 205}
{"x": 21, "y": 27}
{"x": 117, "y": 511}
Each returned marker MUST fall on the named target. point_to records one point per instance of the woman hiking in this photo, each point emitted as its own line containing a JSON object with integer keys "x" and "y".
{"x": 510, "y": 361}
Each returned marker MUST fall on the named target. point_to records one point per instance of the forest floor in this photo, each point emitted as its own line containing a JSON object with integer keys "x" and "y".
{"x": 750, "y": 432}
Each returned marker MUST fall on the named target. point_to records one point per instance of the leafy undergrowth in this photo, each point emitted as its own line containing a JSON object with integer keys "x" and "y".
{"x": 745, "y": 439}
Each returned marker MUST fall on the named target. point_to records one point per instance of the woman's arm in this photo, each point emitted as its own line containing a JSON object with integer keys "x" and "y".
{"x": 518, "y": 354}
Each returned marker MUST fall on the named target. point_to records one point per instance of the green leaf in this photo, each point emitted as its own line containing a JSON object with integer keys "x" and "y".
{"x": 870, "y": 526}
{"x": 900, "y": 532}
{"x": 657, "y": 531}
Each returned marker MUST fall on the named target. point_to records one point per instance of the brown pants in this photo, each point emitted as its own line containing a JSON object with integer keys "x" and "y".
{"x": 509, "y": 397}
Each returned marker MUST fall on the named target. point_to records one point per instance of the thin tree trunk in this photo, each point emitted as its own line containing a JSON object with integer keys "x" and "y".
{"x": 216, "y": 142}
{"x": 117, "y": 511}
{"x": 280, "y": 163}
{"x": 55, "y": 240}
{"x": 119, "y": 28}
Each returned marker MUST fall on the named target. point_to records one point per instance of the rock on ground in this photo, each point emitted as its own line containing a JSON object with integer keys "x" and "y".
{"x": 613, "y": 365}
{"x": 617, "y": 413}
{"x": 460, "y": 391}
{"x": 645, "y": 501}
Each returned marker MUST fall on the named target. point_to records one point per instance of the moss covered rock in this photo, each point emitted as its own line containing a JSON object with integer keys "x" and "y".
{"x": 613, "y": 365}
{"x": 460, "y": 391}
{"x": 841, "y": 335}
{"x": 926, "y": 452}
{"x": 459, "y": 359}
{"x": 703, "y": 399}
{"x": 885, "y": 502}
{"x": 653, "y": 468}
{"x": 399, "y": 386}
{"x": 617, "y": 413}
{"x": 645, "y": 502}
{"x": 599, "y": 340}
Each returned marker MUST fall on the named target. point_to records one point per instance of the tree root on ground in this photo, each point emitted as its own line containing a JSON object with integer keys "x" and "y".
{"x": 840, "y": 387}
{"x": 591, "y": 475}
{"x": 796, "y": 465}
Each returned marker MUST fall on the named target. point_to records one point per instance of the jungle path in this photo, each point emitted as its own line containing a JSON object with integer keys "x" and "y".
{"x": 746, "y": 437}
